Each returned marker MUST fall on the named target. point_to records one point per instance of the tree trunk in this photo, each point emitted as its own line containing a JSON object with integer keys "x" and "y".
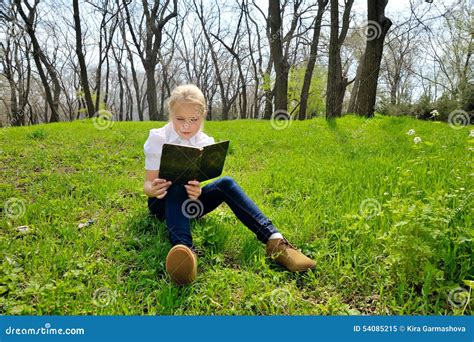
{"x": 312, "y": 60}
{"x": 367, "y": 91}
{"x": 151, "y": 95}
{"x": 279, "y": 61}
{"x": 333, "y": 108}
{"x": 355, "y": 88}
{"x": 81, "y": 60}
{"x": 336, "y": 85}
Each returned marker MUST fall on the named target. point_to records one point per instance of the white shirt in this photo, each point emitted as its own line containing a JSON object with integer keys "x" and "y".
{"x": 167, "y": 135}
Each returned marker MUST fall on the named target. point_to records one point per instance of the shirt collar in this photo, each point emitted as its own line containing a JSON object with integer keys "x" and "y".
{"x": 175, "y": 136}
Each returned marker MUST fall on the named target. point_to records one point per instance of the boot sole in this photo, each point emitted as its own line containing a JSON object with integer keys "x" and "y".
{"x": 181, "y": 265}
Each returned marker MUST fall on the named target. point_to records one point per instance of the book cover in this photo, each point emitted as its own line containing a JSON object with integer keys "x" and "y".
{"x": 181, "y": 164}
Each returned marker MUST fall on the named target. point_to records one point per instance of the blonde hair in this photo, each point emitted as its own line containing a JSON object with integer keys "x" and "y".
{"x": 187, "y": 93}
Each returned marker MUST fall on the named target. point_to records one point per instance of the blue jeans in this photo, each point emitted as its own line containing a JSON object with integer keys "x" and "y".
{"x": 178, "y": 209}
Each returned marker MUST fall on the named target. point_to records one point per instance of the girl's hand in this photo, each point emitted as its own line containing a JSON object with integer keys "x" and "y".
{"x": 159, "y": 187}
{"x": 193, "y": 189}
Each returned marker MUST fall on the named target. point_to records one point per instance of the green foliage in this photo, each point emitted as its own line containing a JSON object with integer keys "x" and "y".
{"x": 445, "y": 105}
{"x": 316, "y": 98}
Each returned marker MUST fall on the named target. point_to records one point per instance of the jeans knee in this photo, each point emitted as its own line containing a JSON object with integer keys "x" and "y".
{"x": 226, "y": 182}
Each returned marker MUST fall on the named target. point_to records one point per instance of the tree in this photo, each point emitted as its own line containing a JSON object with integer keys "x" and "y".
{"x": 82, "y": 62}
{"x": 228, "y": 95}
{"x": 233, "y": 50}
{"x": 14, "y": 69}
{"x": 109, "y": 14}
{"x": 155, "y": 19}
{"x": 336, "y": 85}
{"x": 377, "y": 28}
{"x": 136, "y": 84}
{"x": 312, "y": 59}
{"x": 40, "y": 59}
{"x": 279, "y": 62}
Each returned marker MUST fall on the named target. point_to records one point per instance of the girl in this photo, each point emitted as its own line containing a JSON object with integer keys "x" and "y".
{"x": 171, "y": 202}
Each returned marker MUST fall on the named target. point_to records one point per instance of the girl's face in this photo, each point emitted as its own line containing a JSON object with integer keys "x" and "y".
{"x": 187, "y": 119}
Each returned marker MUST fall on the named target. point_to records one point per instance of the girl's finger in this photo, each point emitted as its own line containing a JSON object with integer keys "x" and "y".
{"x": 164, "y": 185}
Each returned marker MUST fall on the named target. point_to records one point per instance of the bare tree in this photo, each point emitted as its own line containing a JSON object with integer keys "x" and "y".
{"x": 378, "y": 26}
{"x": 108, "y": 25}
{"x": 312, "y": 59}
{"x": 82, "y": 62}
{"x": 337, "y": 83}
{"x": 233, "y": 50}
{"x": 155, "y": 20}
{"x": 16, "y": 68}
{"x": 40, "y": 58}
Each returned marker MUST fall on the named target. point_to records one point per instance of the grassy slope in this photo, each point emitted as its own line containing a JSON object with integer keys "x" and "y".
{"x": 310, "y": 179}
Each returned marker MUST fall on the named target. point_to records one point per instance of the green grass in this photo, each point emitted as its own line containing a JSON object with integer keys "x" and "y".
{"x": 389, "y": 222}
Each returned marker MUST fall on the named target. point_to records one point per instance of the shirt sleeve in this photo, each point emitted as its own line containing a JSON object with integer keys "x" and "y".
{"x": 153, "y": 147}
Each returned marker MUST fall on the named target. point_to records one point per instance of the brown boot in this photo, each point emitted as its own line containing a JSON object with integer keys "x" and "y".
{"x": 181, "y": 264}
{"x": 288, "y": 256}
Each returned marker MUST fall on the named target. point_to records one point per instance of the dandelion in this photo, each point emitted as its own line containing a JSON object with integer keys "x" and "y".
{"x": 417, "y": 140}
{"x": 411, "y": 132}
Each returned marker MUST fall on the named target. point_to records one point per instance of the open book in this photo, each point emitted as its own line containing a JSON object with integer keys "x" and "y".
{"x": 181, "y": 164}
